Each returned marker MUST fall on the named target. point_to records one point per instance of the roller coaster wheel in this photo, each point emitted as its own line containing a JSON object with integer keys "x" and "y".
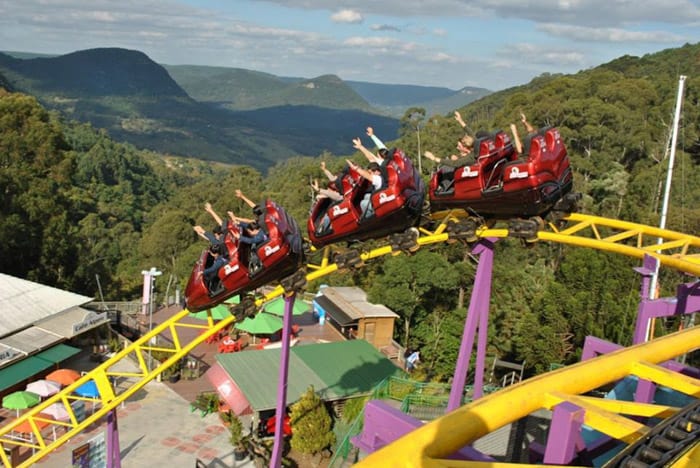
{"x": 564, "y": 206}
{"x": 524, "y": 228}
{"x": 406, "y": 242}
{"x": 246, "y": 308}
{"x": 294, "y": 282}
{"x": 539, "y": 223}
{"x": 306, "y": 248}
{"x": 464, "y": 229}
{"x": 348, "y": 260}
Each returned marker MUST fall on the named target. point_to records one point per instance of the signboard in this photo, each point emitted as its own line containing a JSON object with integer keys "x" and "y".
{"x": 91, "y": 320}
{"x": 91, "y": 454}
{"x": 8, "y": 354}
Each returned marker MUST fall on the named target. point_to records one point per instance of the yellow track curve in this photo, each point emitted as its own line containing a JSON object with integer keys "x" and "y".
{"x": 427, "y": 444}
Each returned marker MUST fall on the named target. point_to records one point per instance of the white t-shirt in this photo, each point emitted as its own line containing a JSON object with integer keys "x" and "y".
{"x": 376, "y": 181}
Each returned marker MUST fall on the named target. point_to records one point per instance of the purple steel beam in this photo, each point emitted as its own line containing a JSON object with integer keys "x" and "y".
{"x": 564, "y": 440}
{"x": 384, "y": 424}
{"x": 478, "y": 307}
{"x": 113, "y": 452}
{"x": 593, "y": 346}
{"x": 276, "y": 460}
{"x": 687, "y": 301}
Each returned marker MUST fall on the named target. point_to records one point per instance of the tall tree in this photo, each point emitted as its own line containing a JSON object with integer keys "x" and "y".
{"x": 311, "y": 424}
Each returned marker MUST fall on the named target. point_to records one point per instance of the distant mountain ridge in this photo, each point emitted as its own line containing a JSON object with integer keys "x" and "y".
{"x": 241, "y": 89}
{"x": 137, "y": 101}
{"x": 97, "y": 72}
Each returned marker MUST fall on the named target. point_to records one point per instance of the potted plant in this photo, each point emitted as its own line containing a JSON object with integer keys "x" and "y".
{"x": 172, "y": 373}
{"x": 237, "y": 439}
{"x": 206, "y": 403}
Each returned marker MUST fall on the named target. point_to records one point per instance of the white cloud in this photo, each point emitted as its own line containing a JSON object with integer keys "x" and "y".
{"x": 587, "y": 12}
{"x": 347, "y": 16}
{"x": 582, "y": 33}
{"x": 536, "y": 54}
{"x": 384, "y": 27}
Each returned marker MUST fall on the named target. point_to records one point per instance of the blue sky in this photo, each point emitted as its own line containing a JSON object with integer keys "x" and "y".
{"x": 494, "y": 44}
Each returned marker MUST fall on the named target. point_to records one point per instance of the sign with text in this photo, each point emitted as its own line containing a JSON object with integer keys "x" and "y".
{"x": 91, "y": 454}
{"x": 91, "y": 320}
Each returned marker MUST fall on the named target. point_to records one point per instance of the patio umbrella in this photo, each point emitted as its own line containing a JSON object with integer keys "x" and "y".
{"x": 64, "y": 376}
{"x": 44, "y": 388}
{"x": 88, "y": 390}
{"x": 276, "y": 307}
{"x": 261, "y": 324}
{"x": 20, "y": 400}
{"x": 57, "y": 411}
{"x": 219, "y": 312}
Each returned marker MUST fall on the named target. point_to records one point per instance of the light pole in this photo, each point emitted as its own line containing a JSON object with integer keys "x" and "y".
{"x": 149, "y": 286}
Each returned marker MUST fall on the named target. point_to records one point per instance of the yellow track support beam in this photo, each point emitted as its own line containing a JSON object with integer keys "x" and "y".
{"x": 430, "y": 444}
{"x": 677, "y": 250}
{"x": 109, "y": 395}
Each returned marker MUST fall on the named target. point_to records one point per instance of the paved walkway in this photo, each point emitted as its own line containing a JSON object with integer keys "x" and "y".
{"x": 156, "y": 427}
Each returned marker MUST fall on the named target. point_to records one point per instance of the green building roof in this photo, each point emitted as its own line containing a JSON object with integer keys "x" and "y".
{"x": 336, "y": 370}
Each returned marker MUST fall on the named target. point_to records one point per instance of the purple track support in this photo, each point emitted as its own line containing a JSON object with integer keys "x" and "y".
{"x": 564, "y": 439}
{"x": 383, "y": 424}
{"x": 593, "y": 346}
{"x": 477, "y": 315}
{"x": 281, "y": 412}
{"x": 113, "y": 452}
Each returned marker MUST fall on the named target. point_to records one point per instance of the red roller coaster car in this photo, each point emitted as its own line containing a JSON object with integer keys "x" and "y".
{"x": 397, "y": 205}
{"x": 502, "y": 184}
{"x": 281, "y": 255}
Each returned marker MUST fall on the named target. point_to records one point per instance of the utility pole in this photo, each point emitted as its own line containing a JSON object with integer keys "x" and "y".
{"x": 667, "y": 188}
{"x": 149, "y": 286}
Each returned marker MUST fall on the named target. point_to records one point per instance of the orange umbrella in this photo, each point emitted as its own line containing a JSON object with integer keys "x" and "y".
{"x": 64, "y": 376}
{"x": 26, "y": 428}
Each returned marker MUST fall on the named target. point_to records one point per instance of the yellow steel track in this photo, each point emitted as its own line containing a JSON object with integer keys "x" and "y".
{"x": 427, "y": 444}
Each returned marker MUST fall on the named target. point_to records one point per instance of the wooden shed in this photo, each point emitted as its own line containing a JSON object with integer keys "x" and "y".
{"x": 347, "y": 309}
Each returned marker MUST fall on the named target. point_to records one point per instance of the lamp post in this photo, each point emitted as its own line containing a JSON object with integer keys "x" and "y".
{"x": 149, "y": 286}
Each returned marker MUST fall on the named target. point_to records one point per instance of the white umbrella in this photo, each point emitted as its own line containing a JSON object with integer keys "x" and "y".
{"x": 44, "y": 388}
{"x": 58, "y": 411}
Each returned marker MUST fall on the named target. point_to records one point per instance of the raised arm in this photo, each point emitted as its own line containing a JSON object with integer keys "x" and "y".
{"x": 528, "y": 127}
{"x": 204, "y": 234}
{"x": 375, "y": 139}
{"x": 248, "y": 201}
{"x": 332, "y": 177}
{"x": 238, "y": 220}
{"x": 357, "y": 144}
{"x": 210, "y": 210}
{"x": 363, "y": 172}
{"x": 460, "y": 121}
{"x": 516, "y": 139}
{"x": 431, "y": 156}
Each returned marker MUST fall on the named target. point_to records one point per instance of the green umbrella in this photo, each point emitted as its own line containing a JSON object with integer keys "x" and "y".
{"x": 20, "y": 400}
{"x": 261, "y": 324}
{"x": 219, "y": 312}
{"x": 276, "y": 307}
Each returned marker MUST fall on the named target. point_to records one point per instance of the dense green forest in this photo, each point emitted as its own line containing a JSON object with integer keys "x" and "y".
{"x": 78, "y": 206}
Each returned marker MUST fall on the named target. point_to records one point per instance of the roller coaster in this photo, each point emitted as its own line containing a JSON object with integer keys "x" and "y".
{"x": 393, "y": 439}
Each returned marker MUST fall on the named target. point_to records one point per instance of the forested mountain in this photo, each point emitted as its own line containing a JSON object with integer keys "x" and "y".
{"x": 77, "y": 204}
{"x": 396, "y": 99}
{"x": 240, "y": 89}
{"x": 137, "y": 101}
